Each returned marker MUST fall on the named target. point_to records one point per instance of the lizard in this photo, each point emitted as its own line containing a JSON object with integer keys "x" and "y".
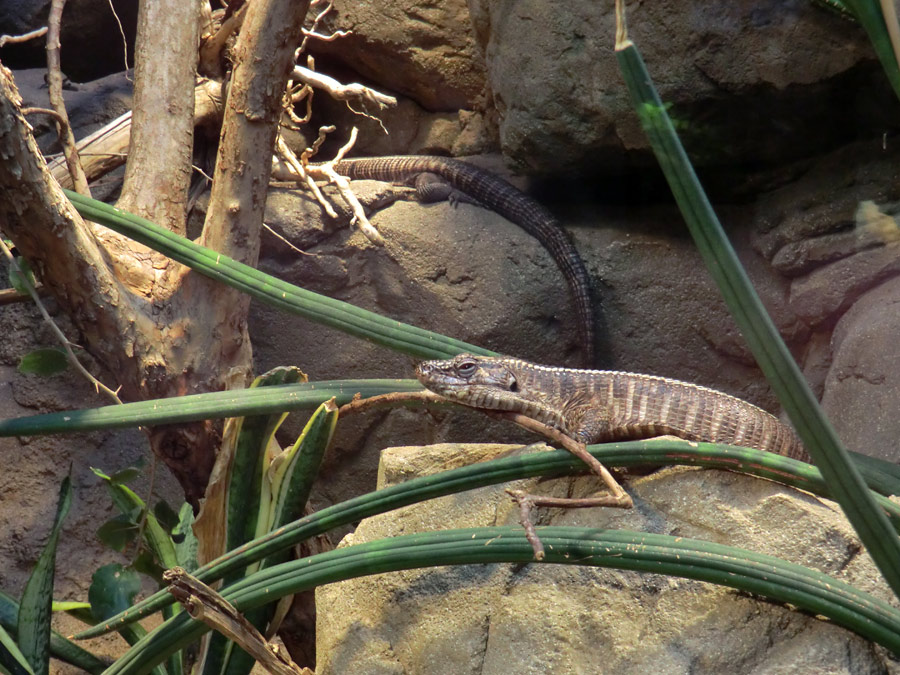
{"x": 595, "y": 406}
{"x": 490, "y": 191}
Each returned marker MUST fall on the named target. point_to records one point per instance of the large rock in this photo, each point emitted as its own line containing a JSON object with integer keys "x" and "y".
{"x": 468, "y": 273}
{"x": 94, "y": 35}
{"x": 862, "y": 389}
{"x": 424, "y": 50}
{"x": 747, "y": 80}
{"x": 481, "y": 619}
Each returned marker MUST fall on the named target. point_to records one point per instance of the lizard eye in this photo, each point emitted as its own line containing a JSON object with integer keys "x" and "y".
{"x": 466, "y": 369}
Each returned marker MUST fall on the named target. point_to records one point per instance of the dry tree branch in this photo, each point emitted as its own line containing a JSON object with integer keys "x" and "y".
{"x": 343, "y": 92}
{"x": 211, "y": 47}
{"x": 311, "y": 31}
{"x": 327, "y": 172}
{"x": 25, "y": 37}
{"x": 286, "y": 166}
{"x": 10, "y": 296}
{"x": 54, "y": 81}
{"x": 206, "y": 605}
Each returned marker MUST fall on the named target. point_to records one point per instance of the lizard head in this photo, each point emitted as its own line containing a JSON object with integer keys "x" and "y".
{"x": 468, "y": 379}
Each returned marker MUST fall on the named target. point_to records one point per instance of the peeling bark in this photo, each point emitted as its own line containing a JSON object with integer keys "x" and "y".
{"x": 158, "y": 174}
{"x": 158, "y": 328}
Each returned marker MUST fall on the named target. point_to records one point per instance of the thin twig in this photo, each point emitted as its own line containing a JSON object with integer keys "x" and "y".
{"x": 64, "y": 341}
{"x": 124, "y": 40}
{"x": 358, "y": 405}
{"x": 288, "y": 243}
{"x": 527, "y": 502}
{"x": 54, "y": 81}
{"x": 578, "y": 449}
{"x": 9, "y": 296}
{"x": 25, "y": 37}
{"x": 327, "y": 171}
{"x": 310, "y": 32}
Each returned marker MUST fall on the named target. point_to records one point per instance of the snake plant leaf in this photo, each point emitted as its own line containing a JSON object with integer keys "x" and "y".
{"x": 178, "y": 409}
{"x": 185, "y": 540}
{"x": 273, "y": 291}
{"x": 292, "y": 474}
{"x": 236, "y": 505}
{"x": 659, "y": 452}
{"x": 12, "y": 660}
{"x": 874, "y": 20}
{"x": 35, "y": 609}
{"x": 764, "y": 575}
{"x": 772, "y": 355}
{"x": 132, "y": 508}
{"x": 60, "y": 648}
{"x": 286, "y": 485}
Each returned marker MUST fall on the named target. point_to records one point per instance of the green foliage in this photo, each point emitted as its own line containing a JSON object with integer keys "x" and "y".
{"x": 113, "y": 589}
{"x": 22, "y": 278}
{"x": 47, "y": 361}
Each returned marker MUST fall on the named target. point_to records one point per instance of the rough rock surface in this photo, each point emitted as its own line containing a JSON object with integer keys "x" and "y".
{"x": 552, "y": 618}
{"x": 468, "y": 273}
{"x": 863, "y": 385}
{"x": 424, "y": 50}
{"x": 747, "y": 80}
{"x": 34, "y": 466}
{"x": 89, "y": 106}
{"x": 833, "y": 233}
{"x": 91, "y": 35}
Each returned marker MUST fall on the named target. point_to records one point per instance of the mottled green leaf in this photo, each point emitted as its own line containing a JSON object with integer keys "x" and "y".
{"x": 118, "y": 532}
{"x": 33, "y": 633}
{"x": 47, "y": 361}
{"x": 113, "y": 588}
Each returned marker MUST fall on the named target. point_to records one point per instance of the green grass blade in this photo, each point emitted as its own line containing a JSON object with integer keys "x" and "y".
{"x": 558, "y": 463}
{"x": 178, "y": 409}
{"x": 757, "y": 327}
{"x": 272, "y": 291}
{"x": 662, "y": 554}
{"x": 33, "y": 631}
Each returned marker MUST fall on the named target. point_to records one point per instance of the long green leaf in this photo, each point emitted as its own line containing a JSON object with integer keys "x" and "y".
{"x": 870, "y": 16}
{"x": 33, "y": 632}
{"x": 155, "y": 537}
{"x": 633, "y": 453}
{"x": 12, "y": 660}
{"x": 178, "y": 409}
{"x": 765, "y": 575}
{"x": 60, "y": 648}
{"x": 275, "y": 292}
{"x": 245, "y": 450}
{"x": 757, "y": 327}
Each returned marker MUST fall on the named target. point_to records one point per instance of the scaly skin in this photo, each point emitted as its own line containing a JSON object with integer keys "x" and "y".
{"x": 594, "y": 406}
{"x": 496, "y": 194}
